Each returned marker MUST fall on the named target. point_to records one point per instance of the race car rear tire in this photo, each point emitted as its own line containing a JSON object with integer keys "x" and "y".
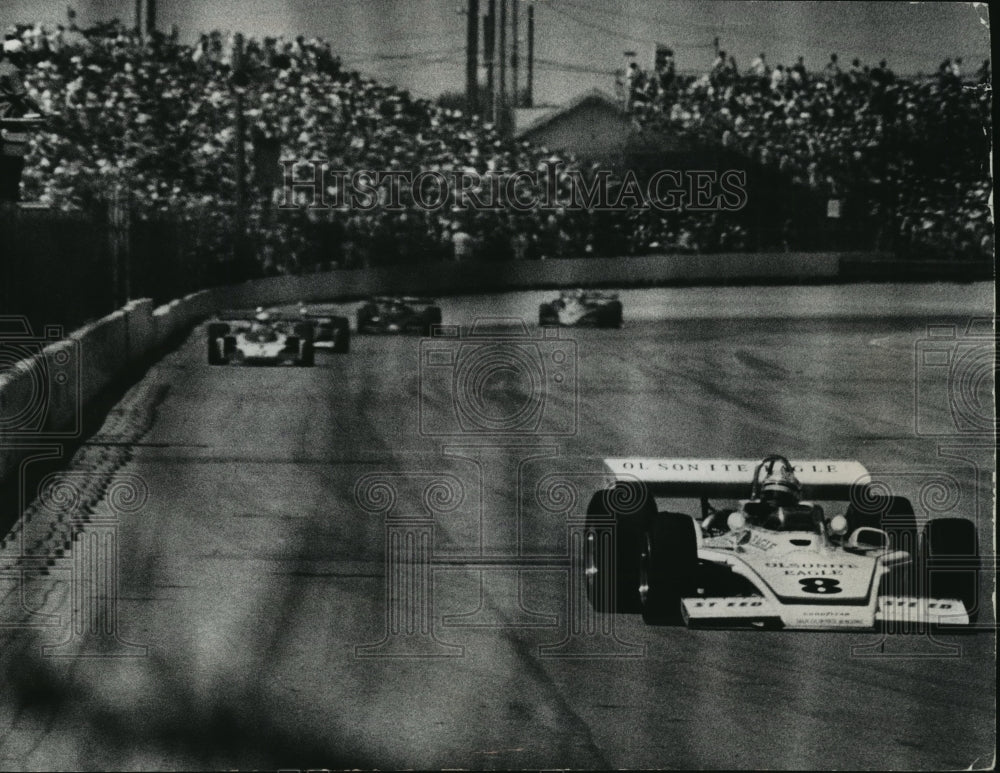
{"x": 546, "y": 316}
{"x": 432, "y": 317}
{"x": 306, "y": 331}
{"x": 611, "y": 546}
{"x": 952, "y": 563}
{"x": 615, "y": 314}
{"x": 215, "y": 332}
{"x": 668, "y": 565}
{"x": 342, "y": 333}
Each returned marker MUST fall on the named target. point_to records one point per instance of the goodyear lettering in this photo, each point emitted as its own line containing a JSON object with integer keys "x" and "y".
{"x": 828, "y": 613}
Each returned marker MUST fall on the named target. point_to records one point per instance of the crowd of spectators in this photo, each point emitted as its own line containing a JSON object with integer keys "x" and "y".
{"x": 155, "y": 117}
{"x": 911, "y": 153}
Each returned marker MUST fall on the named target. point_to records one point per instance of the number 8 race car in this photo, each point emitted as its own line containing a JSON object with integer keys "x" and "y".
{"x": 772, "y": 563}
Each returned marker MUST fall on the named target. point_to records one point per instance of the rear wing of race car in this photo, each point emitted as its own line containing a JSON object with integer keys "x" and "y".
{"x": 249, "y": 315}
{"x": 821, "y": 479}
{"x": 410, "y": 300}
{"x": 306, "y": 313}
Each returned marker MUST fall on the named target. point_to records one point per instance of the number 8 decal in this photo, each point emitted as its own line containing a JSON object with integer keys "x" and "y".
{"x": 820, "y": 585}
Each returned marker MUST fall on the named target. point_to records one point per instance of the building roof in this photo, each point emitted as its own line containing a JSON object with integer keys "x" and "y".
{"x": 530, "y": 120}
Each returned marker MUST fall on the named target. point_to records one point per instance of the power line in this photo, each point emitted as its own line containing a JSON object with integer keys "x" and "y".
{"x": 614, "y": 34}
{"x": 552, "y": 64}
{"x": 644, "y": 19}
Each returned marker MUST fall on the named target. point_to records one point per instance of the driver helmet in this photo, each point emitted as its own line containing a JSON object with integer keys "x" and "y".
{"x": 779, "y": 486}
{"x": 260, "y": 315}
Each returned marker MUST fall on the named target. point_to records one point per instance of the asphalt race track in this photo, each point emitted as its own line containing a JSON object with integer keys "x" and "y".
{"x": 321, "y": 579}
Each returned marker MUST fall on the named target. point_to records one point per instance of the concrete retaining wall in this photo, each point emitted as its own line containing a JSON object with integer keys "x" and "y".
{"x": 464, "y": 278}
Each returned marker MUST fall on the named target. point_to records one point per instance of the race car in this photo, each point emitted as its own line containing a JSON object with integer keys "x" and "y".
{"x": 391, "y": 314}
{"x": 260, "y": 338}
{"x": 582, "y": 308}
{"x": 856, "y": 561}
{"x": 332, "y": 333}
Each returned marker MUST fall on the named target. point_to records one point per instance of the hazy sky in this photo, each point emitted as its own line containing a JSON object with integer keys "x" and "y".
{"x": 575, "y": 37}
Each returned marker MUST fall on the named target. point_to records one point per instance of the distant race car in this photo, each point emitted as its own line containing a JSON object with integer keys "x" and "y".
{"x": 582, "y": 308}
{"x": 333, "y": 333}
{"x": 260, "y": 338}
{"x": 390, "y": 314}
{"x": 858, "y": 564}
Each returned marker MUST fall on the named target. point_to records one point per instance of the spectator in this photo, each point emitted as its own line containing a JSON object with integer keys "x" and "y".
{"x": 14, "y": 99}
{"x": 777, "y": 77}
{"x": 462, "y": 244}
{"x": 632, "y": 77}
{"x": 799, "y": 74}
{"x": 855, "y": 74}
{"x": 832, "y": 70}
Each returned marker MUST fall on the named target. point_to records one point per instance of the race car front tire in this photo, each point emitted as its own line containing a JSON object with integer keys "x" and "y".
{"x": 668, "y": 565}
{"x": 306, "y": 333}
{"x": 432, "y": 317}
{"x": 342, "y": 335}
{"x": 614, "y": 315}
{"x": 215, "y": 332}
{"x": 952, "y": 563}
{"x": 611, "y": 546}
{"x": 364, "y": 319}
{"x": 547, "y": 315}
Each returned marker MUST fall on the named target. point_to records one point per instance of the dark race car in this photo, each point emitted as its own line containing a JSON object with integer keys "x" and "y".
{"x": 390, "y": 314}
{"x": 582, "y": 308}
{"x": 260, "y": 338}
{"x": 333, "y": 333}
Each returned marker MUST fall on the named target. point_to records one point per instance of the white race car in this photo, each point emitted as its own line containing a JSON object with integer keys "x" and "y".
{"x": 850, "y": 559}
{"x": 260, "y": 338}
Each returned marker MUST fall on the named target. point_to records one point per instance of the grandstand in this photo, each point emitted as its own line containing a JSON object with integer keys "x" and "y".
{"x": 904, "y": 163}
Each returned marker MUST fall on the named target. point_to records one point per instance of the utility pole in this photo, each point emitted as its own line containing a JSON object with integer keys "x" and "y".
{"x": 138, "y": 16}
{"x": 515, "y": 31}
{"x": 489, "y": 44}
{"x": 500, "y": 97}
{"x": 239, "y": 83}
{"x": 530, "y": 90}
{"x": 150, "y": 17}
{"x": 472, "y": 58}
